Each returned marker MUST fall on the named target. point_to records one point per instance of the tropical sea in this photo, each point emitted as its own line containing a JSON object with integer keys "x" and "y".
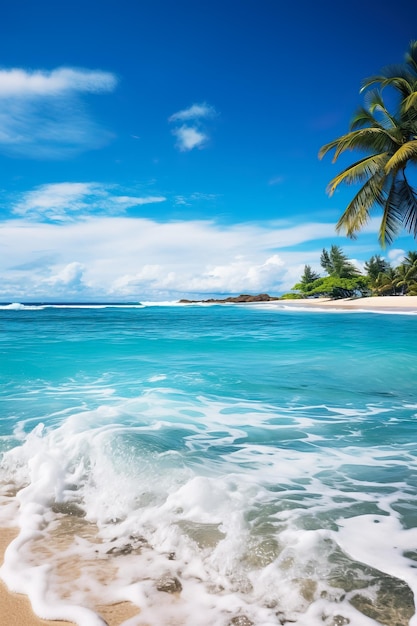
{"x": 213, "y": 465}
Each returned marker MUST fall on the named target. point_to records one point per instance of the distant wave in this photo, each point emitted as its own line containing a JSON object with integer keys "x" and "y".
{"x": 164, "y": 303}
{"x": 18, "y": 306}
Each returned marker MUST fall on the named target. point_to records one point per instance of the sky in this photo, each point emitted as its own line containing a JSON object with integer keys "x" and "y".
{"x": 157, "y": 149}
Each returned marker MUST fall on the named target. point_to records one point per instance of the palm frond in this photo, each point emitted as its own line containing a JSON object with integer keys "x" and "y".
{"x": 356, "y": 214}
{"x": 396, "y": 76}
{"x": 375, "y": 139}
{"x": 391, "y": 222}
{"x": 411, "y": 57}
{"x": 411, "y": 101}
{"x": 406, "y": 202}
{"x": 360, "y": 171}
{"x": 407, "y": 152}
{"x": 375, "y": 103}
{"x": 363, "y": 118}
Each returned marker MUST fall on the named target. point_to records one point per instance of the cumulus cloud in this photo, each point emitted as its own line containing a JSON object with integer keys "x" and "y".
{"x": 189, "y": 137}
{"x": 70, "y": 277}
{"x": 123, "y": 257}
{"x": 396, "y": 256}
{"x": 43, "y": 114}
{"x": 61, "y": 202}
{"x": 192, "y": 134}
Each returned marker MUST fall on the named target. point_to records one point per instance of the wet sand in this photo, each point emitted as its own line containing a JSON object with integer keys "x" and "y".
{"x": 15, "y": 608}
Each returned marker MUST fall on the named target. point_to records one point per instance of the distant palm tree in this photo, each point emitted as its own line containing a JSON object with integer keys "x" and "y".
{"x": 375, "y": 266}
{"x": 386, "y": 283}
{"x": 402, "y": 278}
{"x": 390, "y": 141}
{"x": 407, "y": 274}
{"x": 337, "y": 264}
{"x": 410, "y": 258}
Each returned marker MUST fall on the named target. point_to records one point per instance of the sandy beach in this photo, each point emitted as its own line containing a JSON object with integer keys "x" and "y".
{"x": 385, "y": 303}
{"x": 16, "y": 610}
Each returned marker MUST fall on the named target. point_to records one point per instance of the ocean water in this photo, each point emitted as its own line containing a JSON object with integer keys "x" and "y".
{"x": 213, "y": 465}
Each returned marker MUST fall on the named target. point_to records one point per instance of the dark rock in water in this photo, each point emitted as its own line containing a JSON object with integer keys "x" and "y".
{"x": 169, "y": 584}
{"x": 383, "y": 598}
{"x": 137, "y": 543}
{"x": 241, "y": 620}
{"x": 260, "y": 297}
{"x": 339, "y": 620}
{"x": 393, "y": 606}
{"x": 120, "y": 550}
{"x": 68, "y": 508}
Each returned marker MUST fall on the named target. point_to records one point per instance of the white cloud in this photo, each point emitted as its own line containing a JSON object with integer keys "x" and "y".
{"x": 189, "y": 137}
{"x": 195, "y": 197}
{"x": 20, "y": 83}
{"x": 136, "y": 258}
{"x": 70, "y": 277}
{"x": 195, "y": 111}
{"x": 129, "y": 201}
{"x": 61, "y": 202}
{"x": 192, "y": 135}
{"x": 43, "y": 114}
{"x": 396, "y": 256}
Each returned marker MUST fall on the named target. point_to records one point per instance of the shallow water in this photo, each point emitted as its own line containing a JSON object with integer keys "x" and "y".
{"x": 263, "y": 458}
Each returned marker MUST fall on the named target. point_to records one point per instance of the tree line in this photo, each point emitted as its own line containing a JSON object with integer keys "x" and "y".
{"x": 344, "y": 280}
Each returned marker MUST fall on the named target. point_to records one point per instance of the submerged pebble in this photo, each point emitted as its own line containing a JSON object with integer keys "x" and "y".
{"x": 169, "y": 584}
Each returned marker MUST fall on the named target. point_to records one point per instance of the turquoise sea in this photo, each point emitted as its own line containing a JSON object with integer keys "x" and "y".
{"x": 215, "y": 465}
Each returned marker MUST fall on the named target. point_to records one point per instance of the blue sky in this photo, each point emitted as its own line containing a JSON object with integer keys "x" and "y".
{"x": 154, "y": 149}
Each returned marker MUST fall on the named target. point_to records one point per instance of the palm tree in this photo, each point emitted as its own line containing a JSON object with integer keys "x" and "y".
{"x": 403, "y": 78}
{"x": 337, "y": 264}
{"x": 386, "y": 283}
{"x": 410, "y": 258}
{"x": 390, "y": 143}
{"x": 375, "y": 266}
{"x": 407, "y": 274}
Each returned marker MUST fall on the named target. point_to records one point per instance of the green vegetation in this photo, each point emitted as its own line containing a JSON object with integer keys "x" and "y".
{"x": 344, "y": 279}
{"x": 389, "y": 141}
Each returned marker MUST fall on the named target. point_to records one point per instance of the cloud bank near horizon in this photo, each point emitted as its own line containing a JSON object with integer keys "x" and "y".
{"x": 136, "y": 258}
{"x": 79, "y": 241}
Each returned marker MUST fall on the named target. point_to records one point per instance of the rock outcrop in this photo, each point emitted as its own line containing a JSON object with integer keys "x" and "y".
{"x": 260, "y": 297}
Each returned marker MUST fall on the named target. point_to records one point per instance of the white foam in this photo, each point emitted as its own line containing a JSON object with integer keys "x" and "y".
{"x": 232, "y": 516}
{"x": 17, "y": 306}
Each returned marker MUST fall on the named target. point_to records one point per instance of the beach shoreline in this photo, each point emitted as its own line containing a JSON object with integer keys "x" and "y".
{"x": 371, "y": 303}
{"x": 16, "y": 609}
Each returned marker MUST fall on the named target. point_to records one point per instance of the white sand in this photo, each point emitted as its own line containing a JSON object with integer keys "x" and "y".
{"x": 389, "y": 303}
